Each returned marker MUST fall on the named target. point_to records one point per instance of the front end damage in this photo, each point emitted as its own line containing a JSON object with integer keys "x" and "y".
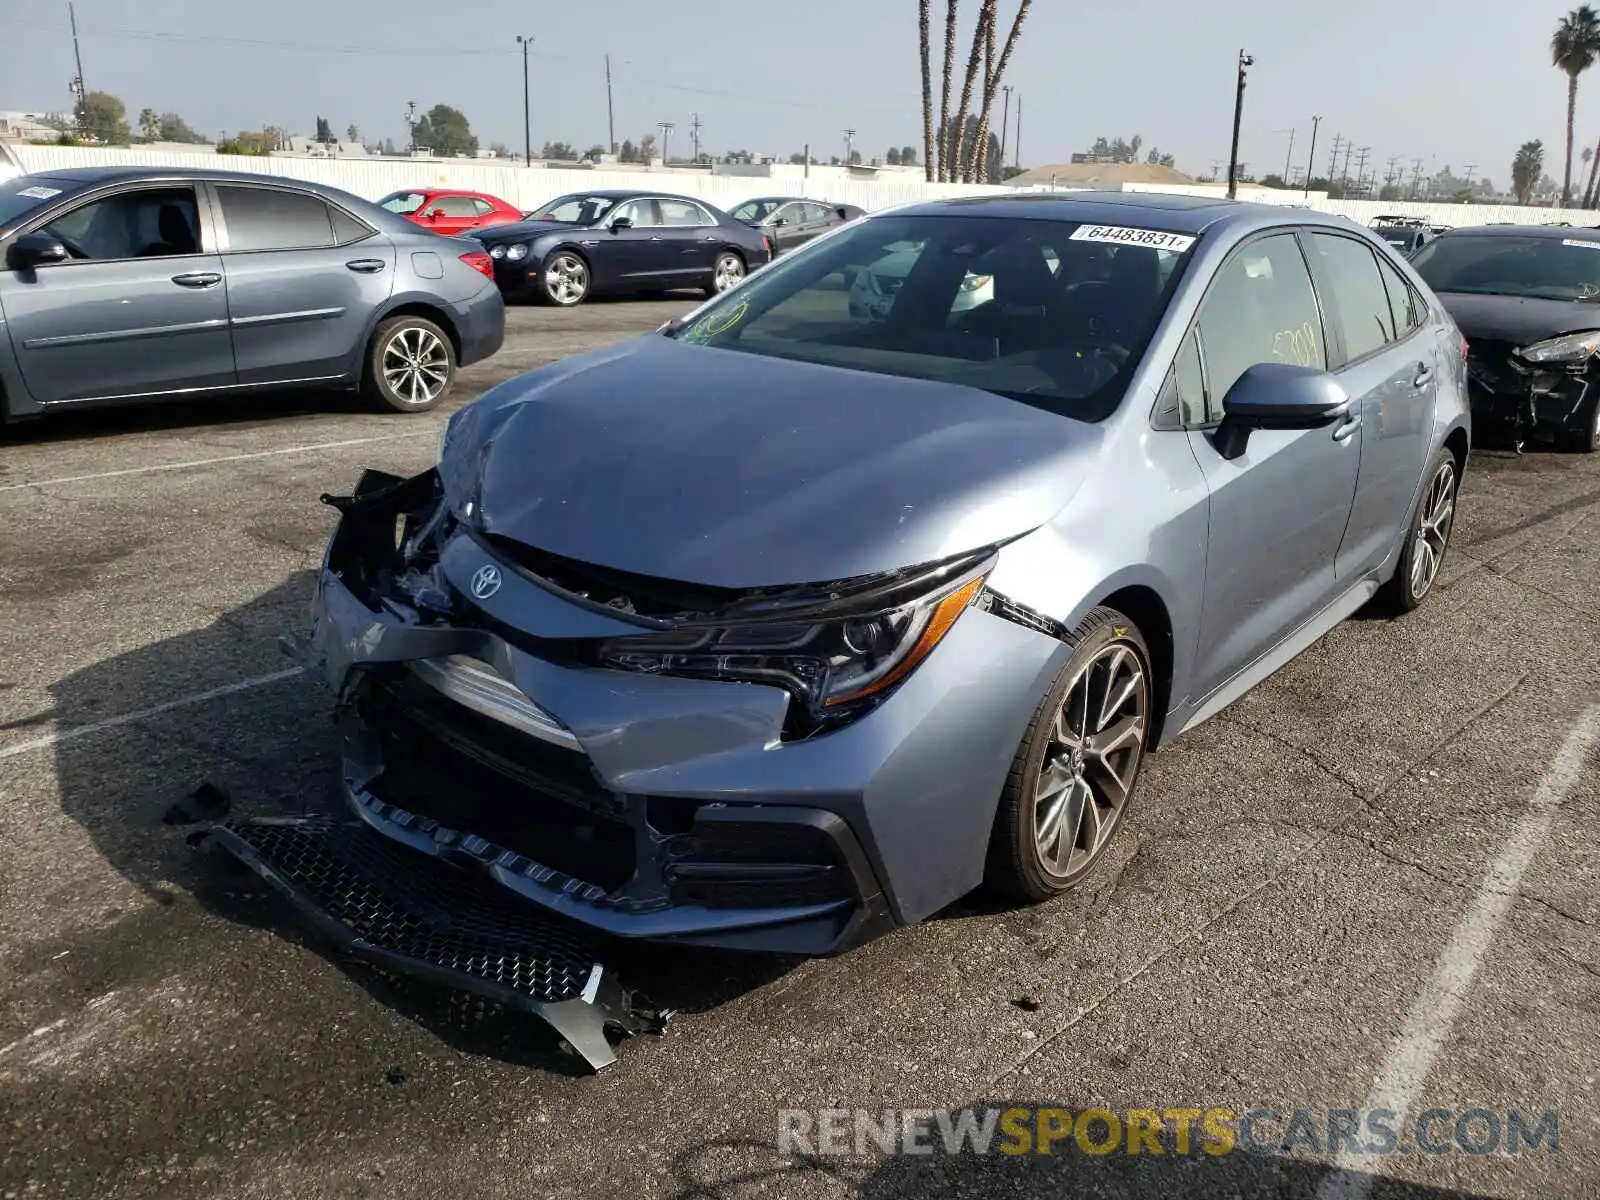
{"x": 1543, "y": 402}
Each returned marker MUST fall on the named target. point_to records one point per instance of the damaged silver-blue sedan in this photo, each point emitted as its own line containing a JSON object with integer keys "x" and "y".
{"x": 783, "y": 626}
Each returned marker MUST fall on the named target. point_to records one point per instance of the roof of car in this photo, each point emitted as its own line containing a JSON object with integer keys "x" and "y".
{"x": 88, "y": 175}
{"x": 1582, "y": 233}
{"x": 1174, "y": 213}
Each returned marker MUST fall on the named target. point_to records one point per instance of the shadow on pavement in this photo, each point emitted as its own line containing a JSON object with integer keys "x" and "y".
{"x": 244, "y": 410}
{"x": 272, "y": 751}
{"x": 734, "y": 1168}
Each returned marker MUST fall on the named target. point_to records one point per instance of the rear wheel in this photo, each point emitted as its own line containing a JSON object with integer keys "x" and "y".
{"x": 1427, "y": 538}
{"x": 1077, "y": 765}
{"x": 564, "y": 282}
{"x": 726, "y": 273}
{"x": 411, "y": 365}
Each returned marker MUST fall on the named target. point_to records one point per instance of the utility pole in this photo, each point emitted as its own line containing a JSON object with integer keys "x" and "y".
{"x": 1311, "y": 158}
{"x": 666, "y": 128}
{"x": 1344, "y": 171}
{"x": 1361, "y": 168}
{"x": 1393, "y": 171}
{"x": 849, "y": 144}
{"x": 1005, "y": 126}
{"x": 694, "y": 135}
{"x": 1245, "y": 62}
{"x": 1333, "y": 160}
{"x": 805, "y": 172}
{"x": 411, "y": 124}
{"x": 1288, "y": 158}
{"x": 611, "y": 113}
{"x": 1416, "y": 177}
{"x": 527, "y": 127}
{"x": 77, "y": 57}
{"x": 1017, "y": 145}
{"x": 1471, "y": 167}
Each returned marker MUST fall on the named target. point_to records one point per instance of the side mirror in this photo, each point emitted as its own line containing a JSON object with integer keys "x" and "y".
{"x": 436, "y": 214}
{"x": 777, "y": 221}
{"x": 621, "y": 223}
{"x": 35, "y": 250}
{"x": 1274, "y": 395}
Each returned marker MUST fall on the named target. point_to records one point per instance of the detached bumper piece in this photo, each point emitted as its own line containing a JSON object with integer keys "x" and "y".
{"x": 389, "y": 906}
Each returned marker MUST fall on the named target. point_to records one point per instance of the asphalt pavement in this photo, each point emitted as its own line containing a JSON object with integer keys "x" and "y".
{"x": 1374, "y": 877}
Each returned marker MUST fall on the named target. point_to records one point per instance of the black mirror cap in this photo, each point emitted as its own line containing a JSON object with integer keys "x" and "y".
{"x": 622, "y": 223}
{"x": 34, "y": 250}
{"x": 1275, "y": 395}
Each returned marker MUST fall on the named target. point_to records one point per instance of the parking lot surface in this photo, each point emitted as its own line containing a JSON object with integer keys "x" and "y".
{"x": 1377, "y": 871}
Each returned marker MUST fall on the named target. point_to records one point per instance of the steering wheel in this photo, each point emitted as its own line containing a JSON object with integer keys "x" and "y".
{"x": 73, "y": 248}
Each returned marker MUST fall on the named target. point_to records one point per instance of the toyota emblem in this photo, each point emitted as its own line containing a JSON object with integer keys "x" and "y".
{"x": 485, "y": 582}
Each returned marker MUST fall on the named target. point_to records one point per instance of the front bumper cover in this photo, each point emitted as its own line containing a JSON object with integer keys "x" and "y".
{"x": 399, "y": 911}
{"x": 1547, "y": 402}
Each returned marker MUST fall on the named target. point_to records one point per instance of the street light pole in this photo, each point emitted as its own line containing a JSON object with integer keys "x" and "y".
{"x": 1311, "y": 158}
{"x": 849, "y": 144}
{"x": 1005, "y": 127}
{"x": 666, "y": 128}
{"x": 527, "y": 127}
{"x": 1245, "y": 61}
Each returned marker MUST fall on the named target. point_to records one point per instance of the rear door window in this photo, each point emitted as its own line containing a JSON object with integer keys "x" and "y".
{"x": 260, "y": 218}
{"x": 1404, "y": 302}
{"x": 1358, "y": 297}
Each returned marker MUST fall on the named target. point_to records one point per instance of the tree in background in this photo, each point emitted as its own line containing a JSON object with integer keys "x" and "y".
{"x": 629, "y": 152}
{"x": 352, "y": 133}
{"x": 959, "y": 158}
{"x": 594, "y": 153}
{"x": 388, "y": 146}
{"x": 992, "y": 172}
{"x": 1573, "y": 47}
{"x": 170, "y": 127}
{"x": 149, "y": 124}
{"x": 647, "y": 148}
{"x": 924, "y": 30}
{"x": 908, "y": 156}
{"x": 559, "y": 152}
{"x": 893, "y": 157}
{"x": 444, "y": 130}
{"x": 324, "y": 131}
{"x": 103, "y": 118}
{"x": 1526, "y": 170}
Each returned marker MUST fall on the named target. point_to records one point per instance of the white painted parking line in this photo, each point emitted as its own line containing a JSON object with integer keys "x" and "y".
{"x": 73, "y": 732}
{"x": 1405, "y": 1070}
{"x": 431, "y": 431}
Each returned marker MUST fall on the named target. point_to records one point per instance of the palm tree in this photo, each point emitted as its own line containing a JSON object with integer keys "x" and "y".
{"x": 950, "y": 13}
{"x": 994, "y": 70}
{"x": 923, "y": 21}
{"x": 1590, "y": 162}
{"x": 1526, "y": 168}
{"x": 149, "y": 124}
{"x": 1573, "y": 47}
{"x": 958, "y": 129}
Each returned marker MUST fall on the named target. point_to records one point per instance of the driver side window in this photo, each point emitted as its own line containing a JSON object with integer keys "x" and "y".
{"x": 641, "y": 212}
{"x": 145, "y": 223}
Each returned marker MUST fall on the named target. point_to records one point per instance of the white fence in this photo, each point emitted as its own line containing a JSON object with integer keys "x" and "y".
{"x": 529, "y": 187}
{"x": 524, "y": 187}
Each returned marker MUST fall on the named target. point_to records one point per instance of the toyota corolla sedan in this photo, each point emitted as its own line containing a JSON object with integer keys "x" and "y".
{"x": 783, "y": 626}
{"x": 620, "y": 243}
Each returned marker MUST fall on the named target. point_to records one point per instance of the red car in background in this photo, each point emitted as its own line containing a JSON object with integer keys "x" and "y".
{"x": 450, "y": 212}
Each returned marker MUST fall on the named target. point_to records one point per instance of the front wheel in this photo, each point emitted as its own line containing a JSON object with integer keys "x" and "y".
{"x": 1427, "y": 538}
{"x": 728, "y": 271}
{"x": 1585, "y": 438}
{"x": 1075, "y": 770}
{"x": 411, "y": 365}
{"x": 564, "y": 282}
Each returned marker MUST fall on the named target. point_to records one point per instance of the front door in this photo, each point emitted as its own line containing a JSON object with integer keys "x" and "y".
{"x": 455, "y": 214}
{"x": 637, "y": 256}
{"x": 138, "y": 310}
{"x": 1391, "y": 373}
{"x": 304, "y": 280}
{"x": 1278, "y": 511}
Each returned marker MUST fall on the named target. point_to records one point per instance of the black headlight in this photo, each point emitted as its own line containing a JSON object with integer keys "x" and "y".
{"x": 833, "y": 663}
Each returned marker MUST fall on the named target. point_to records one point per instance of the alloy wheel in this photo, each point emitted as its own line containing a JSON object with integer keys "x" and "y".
{"x": 1091, "y": 761}
{"x": 730, "y": 270}
{"x": 1432, "y": 534}
{"x": 416, "y": 366}
{"x": 566, "y": 279}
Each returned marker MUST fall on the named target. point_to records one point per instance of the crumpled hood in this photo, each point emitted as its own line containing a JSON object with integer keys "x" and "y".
{"x": 1520, "y": 320}
{"x": 735, "y": 470}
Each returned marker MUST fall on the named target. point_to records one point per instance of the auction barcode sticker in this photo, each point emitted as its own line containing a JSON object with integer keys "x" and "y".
{"x": 1122, "y": 235}
{"x": 1577, "y": 242}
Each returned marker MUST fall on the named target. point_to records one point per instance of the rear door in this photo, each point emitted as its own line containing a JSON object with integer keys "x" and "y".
{"x": 692, "y": 237}
{"x": 1279, "y": 510}
{"x": 304, "y": 279}
{"x": 1390, "y": 371}
{"x": 819, "y": 219}
{"x": 140, "y": 308}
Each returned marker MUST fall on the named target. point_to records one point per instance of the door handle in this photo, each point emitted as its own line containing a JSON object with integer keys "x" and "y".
{"x": 656, "y": 238}
{"x": 367, "y": 266}
{"x": 197, "y": 279}
{"x": 1424, "y": 376}
{"x": 1347, "y": 428}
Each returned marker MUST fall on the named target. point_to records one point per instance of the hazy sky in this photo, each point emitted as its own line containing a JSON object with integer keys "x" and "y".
{"x": 1457, "y": 83}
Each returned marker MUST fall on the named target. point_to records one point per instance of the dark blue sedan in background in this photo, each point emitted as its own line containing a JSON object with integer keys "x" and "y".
{"x": 621, "y": 242}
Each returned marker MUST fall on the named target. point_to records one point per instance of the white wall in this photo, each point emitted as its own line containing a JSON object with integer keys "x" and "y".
{"x": 526, "y": 188}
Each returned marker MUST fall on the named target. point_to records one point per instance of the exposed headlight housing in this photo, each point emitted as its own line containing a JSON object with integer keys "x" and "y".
{"x": 835, "y": 664}
{"x": 514, "y": 253}
{"x": 1569, "y": 348}
{"x": 497, "y": 251}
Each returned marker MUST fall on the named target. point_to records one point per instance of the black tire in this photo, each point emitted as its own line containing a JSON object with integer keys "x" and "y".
{"x": 728, "y": 269}
{"x": 565, "y": 280}
{"x": 390, "y": 379}
{"x": 1585, "y": 439}
{"x": 1016, "y": 866}
{"x": 1409, "y": 585}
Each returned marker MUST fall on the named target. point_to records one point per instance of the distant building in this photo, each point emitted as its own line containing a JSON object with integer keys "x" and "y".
{"x": 1089, "y": 174}
{"x": 305, "y": 147}
{"x": 29, "y": 126}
